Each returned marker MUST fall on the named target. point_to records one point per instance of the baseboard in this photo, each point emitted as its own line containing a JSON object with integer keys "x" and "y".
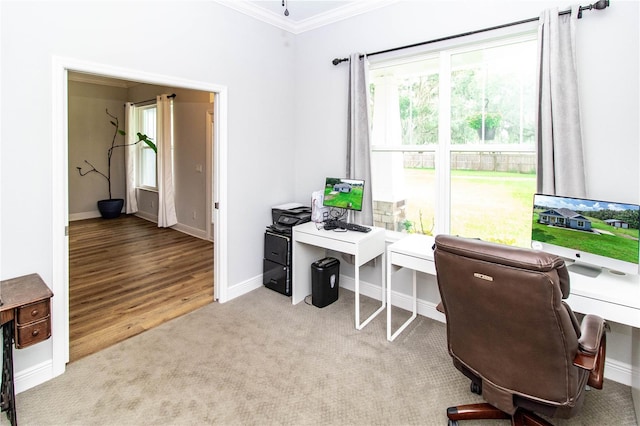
{"x": 189, "y": 230}
{"x": 33, "y": 376}
{"x": 618, "y": 371}
{"x": 244, "y": 287}
{"x": 146, "y": 216}
{"x": 84, "y": 215}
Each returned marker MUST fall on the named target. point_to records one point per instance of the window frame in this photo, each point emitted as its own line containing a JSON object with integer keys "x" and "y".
{"x": 140, "y": 149}
{"x": 444, "y": 148}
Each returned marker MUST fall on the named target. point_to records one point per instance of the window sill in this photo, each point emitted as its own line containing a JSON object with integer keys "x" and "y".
{"x": 147, "y": 189}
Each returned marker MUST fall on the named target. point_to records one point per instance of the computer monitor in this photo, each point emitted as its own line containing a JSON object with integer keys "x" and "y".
{"x": 343, "y": 193}
{"x": 589, "y": 234}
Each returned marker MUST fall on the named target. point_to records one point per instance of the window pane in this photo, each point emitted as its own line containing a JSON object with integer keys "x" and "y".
{"x": 149, "y": 122}
{"x": 491, "y": 196}
{"x": 419, "y": 109}
{"x": 410, "y": 91}
{"x": 405, "y": 199}
{"x": 147, "y": 125}
{"x": 147, "y": 167}
{"x": 492, "y": 94}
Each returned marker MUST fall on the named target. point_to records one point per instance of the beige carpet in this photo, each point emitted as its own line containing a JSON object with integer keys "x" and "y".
{"x": 258, "y": 360}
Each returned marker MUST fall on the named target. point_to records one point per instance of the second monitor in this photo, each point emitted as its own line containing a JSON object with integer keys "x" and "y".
{"x": 343, "y": 193}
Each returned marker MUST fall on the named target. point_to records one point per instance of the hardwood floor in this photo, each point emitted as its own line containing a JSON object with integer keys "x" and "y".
{"x": 126, "y": 276}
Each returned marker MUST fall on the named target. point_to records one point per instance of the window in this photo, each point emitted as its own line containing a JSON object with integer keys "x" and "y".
{"x": 453, "y": 147}
{"x": 147, "y": 168}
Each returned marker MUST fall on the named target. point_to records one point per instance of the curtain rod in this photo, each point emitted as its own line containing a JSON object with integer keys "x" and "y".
{"x": 600, "y": 4}
{"x": 173, "y": 95}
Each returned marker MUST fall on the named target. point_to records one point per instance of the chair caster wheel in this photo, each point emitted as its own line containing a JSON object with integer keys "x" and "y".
{"x": 452, "y": 423}
{"x": 475, "y": 388}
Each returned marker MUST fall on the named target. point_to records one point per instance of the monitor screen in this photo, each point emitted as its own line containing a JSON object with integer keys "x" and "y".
{"x": 343, "y": 193}
{"x": 600, "y": 234}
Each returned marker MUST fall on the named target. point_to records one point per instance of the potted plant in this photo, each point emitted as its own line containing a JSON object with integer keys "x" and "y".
{"x": 491, "y": 123}
{"x": 111, "y": 207}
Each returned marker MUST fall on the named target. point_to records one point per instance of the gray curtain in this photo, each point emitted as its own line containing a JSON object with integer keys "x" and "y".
{"x": 559, "y": 135}
{"x": 358, "y": 139}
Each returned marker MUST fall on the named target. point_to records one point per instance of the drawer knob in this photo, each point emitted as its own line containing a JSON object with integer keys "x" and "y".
{"x": 35, "y": 332}
{"x": 34, "y": 313}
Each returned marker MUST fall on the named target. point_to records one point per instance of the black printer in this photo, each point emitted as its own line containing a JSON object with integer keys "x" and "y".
{"x": 286, "y": 216}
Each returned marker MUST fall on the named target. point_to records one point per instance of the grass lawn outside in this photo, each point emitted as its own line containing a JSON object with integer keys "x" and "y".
{"x": 494, "y": 206}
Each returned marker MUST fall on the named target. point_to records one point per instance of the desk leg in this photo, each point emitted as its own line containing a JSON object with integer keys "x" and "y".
{"x": 391, "y": 337}
{"x": 7, "y": 392}
{"x": 357, "y": 288}
{"x": 635, "y": 369}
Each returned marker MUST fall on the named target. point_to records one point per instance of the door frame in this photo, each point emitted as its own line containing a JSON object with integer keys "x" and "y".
{"x": 60, "y": 186}
{"x": 209, "y": 176}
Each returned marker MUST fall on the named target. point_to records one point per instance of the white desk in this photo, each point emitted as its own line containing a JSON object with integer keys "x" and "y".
{"x": 310, "y": 244}
{"x": 611, "y": 296}
{"x": 414, "y": 252}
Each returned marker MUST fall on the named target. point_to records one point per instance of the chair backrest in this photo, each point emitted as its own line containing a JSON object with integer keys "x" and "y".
{"x": 506, "y": 321}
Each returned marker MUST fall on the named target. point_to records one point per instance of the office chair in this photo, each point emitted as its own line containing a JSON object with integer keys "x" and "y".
{"x": 509, "y": 331}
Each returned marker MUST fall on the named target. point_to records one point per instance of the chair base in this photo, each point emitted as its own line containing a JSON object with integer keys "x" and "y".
{"x": 488, "y": 411}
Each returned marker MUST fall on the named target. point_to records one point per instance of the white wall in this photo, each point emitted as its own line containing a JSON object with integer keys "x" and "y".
{"x": 194, "y": 41}
{"x": 608, "y": 71}
{"x": 90, "y": 136}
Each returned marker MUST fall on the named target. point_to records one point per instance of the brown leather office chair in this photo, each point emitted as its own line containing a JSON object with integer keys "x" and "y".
{"x": 510, "y": 332}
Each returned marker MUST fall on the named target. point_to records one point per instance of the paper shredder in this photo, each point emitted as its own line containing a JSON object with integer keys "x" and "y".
{"x": 325, "y": 280}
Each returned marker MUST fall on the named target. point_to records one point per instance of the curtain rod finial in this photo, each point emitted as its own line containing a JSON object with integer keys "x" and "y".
{"x": 601, "y": 4}
{"x": 336, "y": 61}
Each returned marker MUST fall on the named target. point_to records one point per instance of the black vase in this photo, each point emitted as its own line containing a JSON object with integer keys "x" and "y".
{"x": 110, "y": 209}
{"x": 489, "y": 133}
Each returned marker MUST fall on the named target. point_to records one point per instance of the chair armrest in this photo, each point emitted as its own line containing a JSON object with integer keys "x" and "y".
{"x": 591, "y": 331}
{"x": 592, "y": 349}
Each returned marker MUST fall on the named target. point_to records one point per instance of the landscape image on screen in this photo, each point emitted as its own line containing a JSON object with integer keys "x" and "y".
{"x": 598, "y": 227}
{"x": 343, "y": 193}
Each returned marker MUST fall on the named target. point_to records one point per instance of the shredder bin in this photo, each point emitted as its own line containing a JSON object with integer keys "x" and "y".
{"x": 325, "y": 281}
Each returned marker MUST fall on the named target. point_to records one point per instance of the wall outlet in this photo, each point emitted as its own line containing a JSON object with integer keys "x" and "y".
{"x": 152, "y": 204}
{"x": 195, "y": 214}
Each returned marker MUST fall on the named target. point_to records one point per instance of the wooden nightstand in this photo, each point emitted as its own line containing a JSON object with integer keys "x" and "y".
{"x": 25, "y": 317}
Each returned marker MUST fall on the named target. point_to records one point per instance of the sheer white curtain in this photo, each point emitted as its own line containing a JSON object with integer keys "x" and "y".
{"x": 130, "y": 158}
{"x": 164, "y": 141}
{"x": 358, "y": 139}
{"x": 559, "y": 134}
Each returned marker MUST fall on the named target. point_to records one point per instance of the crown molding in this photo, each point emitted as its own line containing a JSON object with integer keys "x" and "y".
{"x": 296, "y": 27}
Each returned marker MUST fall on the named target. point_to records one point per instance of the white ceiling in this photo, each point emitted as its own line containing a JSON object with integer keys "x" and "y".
{"x": 304, "y": 15}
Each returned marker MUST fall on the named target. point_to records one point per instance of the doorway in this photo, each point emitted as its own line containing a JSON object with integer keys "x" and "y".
{"x": 60, "y": 213}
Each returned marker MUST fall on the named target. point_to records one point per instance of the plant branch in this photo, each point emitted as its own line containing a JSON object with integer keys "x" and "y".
{"x": 116, "y": 124}
{"x": 93, "y": 169}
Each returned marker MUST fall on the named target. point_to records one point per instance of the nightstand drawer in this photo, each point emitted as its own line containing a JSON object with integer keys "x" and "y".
{"x": 33, "y": 312}
{"x": 33, "y": 333}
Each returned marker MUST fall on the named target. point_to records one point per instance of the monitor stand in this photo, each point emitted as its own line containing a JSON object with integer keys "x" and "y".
{"x": 584, "y": 269}
{"x": 348, "y": 219}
